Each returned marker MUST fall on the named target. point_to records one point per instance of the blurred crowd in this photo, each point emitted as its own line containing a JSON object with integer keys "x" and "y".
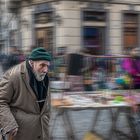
{"x": 85, "y": 72}
{"x": 89, "y": 73}
{"x": 14, "y": 57}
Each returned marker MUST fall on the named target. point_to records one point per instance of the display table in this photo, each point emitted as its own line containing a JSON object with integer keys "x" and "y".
{"x": 60, "y": 85}
{"x": 72, "y": 101}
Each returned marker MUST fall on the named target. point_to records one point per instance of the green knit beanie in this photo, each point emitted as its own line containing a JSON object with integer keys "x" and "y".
{"x": 39, "y": 54}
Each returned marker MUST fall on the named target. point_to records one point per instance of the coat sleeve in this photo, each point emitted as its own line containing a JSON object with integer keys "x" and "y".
{"x": 7, "y": 120}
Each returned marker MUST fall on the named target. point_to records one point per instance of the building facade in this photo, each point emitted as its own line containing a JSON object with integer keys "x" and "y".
{"x": 97, "y": 26}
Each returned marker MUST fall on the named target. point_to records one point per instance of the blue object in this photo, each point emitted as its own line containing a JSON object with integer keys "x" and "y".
{"x": 120, "y": 81}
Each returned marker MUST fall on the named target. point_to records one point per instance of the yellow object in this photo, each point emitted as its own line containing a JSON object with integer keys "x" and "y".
{"x": 91, "y": 136}
{"x": 127, "y": 79}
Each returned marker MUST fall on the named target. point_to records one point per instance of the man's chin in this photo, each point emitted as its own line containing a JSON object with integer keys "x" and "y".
{"x": 40, "y": 79}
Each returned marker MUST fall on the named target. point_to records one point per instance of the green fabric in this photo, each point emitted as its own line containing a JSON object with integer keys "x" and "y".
{"x": 40, "y": 54}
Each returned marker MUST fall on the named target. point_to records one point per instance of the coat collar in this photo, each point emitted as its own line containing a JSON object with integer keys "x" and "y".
{"x": 25, "y": 76}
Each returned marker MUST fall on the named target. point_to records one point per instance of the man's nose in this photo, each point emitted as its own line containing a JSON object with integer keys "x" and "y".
{"x": 45, "y": 70}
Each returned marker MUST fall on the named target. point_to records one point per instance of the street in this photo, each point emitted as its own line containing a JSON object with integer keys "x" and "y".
{"x": 82, "y": 122}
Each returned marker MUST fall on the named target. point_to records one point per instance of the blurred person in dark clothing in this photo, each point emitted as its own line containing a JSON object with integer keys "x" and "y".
{"x": 4, "y": 62}
{"x": 25, "y": 98}
{"x": 21, "y": 56}
{"x": 15, "y": 57}
{"x": 12, "y": 58}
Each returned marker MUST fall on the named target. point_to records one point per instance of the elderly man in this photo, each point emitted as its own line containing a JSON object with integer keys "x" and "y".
{"x": 25, "y": 98}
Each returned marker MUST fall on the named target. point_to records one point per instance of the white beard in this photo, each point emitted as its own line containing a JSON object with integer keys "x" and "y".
{"x": 39, "y": 76}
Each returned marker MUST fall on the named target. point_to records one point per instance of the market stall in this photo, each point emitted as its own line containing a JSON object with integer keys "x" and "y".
{"x": 114, "y": 102}
{"x": 98, "y": 84}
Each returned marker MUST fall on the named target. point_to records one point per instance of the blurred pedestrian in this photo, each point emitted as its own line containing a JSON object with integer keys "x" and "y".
{"x": 13, "y": 57}
{"x": 4, "y": 62}
{"x": 132, "y": 67}
{"x": 99, "y": 78}
{"x": 25, "y": 98}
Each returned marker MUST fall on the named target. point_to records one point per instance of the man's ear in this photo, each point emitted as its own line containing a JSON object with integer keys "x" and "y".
{"x": 31, "y": 63}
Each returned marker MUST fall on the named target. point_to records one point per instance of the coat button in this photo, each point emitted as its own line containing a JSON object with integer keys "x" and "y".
{"x": 38, "y": 137}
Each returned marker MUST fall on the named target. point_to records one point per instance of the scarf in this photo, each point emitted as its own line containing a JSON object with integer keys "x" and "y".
{"x": 40, "y": 88}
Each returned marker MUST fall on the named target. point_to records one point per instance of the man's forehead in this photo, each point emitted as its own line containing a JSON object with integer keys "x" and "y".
{"x": 44, "y": 62}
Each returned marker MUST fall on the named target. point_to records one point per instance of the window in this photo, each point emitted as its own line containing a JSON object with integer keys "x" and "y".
{"x": 44, "y": 38}
{"x": 94, "y": 16}
{"x": 44, "y": 17}
{"x": 94, "y": 31}
{"x": 44, "y": 35}
{"x": 130, "y": 32}
{"x": 92, "y": 37}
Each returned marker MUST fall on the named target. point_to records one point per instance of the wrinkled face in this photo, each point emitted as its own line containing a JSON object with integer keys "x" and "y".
{"x": 40, "y": 68}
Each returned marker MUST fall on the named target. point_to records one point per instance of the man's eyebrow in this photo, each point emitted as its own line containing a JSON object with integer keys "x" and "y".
{"x": 44, "y": 64}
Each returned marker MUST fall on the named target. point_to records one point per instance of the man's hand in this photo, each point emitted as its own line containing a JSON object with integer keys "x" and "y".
{"x": 13, "y": 132}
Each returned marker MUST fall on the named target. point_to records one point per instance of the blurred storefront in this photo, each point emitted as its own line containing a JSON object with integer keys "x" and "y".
{"x": 97, "y": 26}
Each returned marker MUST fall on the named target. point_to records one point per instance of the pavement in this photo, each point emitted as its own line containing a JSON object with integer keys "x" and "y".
{"x": 82, "y": 123}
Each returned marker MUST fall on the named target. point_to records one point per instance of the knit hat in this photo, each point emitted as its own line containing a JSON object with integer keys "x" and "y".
{"x": 39, "y": 54}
